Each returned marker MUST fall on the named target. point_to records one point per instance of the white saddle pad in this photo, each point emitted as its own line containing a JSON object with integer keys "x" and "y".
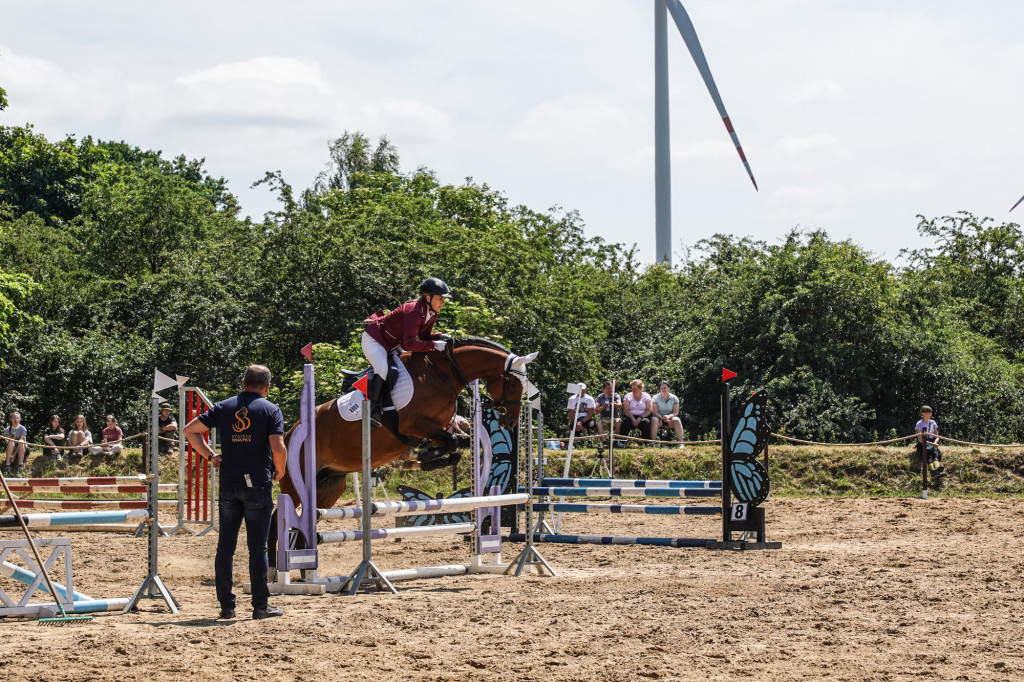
{"x": 350, "y": 405}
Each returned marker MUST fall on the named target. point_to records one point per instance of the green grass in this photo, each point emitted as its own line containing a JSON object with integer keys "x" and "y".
{"x": 796, "y": 471}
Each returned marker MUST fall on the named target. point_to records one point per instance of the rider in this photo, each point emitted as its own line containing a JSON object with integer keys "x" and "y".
{"x": 407, "y": 327}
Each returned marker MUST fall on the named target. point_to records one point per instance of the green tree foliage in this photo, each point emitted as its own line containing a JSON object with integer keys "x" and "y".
{"x": 116, "y": 260}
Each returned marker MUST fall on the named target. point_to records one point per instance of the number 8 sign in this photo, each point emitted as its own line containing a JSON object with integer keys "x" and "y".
{"x": 739, "y": 512}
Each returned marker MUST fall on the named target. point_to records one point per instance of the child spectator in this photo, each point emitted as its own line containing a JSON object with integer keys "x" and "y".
{"x": 80, "y": 436}
{"x": 16, "y": 447}
{"x": 54, "y": 435}
{"x": 927, "y": 442}
{"x": 112, "y": 435}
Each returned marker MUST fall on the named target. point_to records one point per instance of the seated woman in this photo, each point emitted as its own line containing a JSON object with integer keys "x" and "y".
{"x": 112, "y": 435}
{"x": 636, "y": 410}
{"x": 16, "y": 446}
{"x": 80, "y": 436}
{"x": 54, "y": 435}
{"x": 666, "y": 413}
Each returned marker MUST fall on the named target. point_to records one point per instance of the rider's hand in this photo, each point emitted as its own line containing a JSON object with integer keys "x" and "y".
{"x": 446, "y": 337}
{"x": 439, "y": 345}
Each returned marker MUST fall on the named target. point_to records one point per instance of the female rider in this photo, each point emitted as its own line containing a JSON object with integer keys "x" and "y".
{"x": 408, "y": 327}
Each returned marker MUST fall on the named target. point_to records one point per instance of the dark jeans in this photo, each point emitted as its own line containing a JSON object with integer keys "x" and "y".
{"x": 643, "y": 426}
{"x": 254, "y": 506}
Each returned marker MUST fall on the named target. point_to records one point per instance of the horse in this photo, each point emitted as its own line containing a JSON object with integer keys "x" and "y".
{"x": 438, "y": 378}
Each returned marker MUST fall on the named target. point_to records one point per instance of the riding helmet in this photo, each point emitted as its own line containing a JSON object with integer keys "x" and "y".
{"x": 432, "y": 285}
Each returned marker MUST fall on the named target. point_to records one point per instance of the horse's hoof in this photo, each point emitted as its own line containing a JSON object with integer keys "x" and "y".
{"x": 441, "y": 463}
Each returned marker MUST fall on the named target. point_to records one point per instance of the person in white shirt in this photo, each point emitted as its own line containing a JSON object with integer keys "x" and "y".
{"x": 585, "y": 418}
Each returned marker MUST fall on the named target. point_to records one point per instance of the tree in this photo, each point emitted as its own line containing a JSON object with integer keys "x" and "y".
{"x": 351, "y": 154}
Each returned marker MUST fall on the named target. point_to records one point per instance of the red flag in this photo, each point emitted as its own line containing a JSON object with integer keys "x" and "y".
{"x": 361, "y": 384}
{"x": 307, "y": 351}
{"x": 727, "y": 374}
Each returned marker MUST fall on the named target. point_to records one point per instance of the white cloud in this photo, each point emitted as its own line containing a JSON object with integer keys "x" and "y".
{"x": 275, "y": 71}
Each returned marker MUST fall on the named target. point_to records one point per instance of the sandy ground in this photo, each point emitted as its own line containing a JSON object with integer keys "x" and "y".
{"x": 861, "y": 590}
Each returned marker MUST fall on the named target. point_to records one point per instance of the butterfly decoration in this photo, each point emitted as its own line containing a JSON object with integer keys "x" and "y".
{"x": 410, "y": 494}
{"x": 748, "y": 477}
{"x": 502, "y": 456}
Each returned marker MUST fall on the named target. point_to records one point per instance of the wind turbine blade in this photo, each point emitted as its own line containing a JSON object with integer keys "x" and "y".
{"x": 689, "y": 34}
{"x": 1017, "y": 204}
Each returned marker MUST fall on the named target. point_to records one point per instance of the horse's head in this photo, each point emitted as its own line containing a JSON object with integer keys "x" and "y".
{"x": 506, "y": 389}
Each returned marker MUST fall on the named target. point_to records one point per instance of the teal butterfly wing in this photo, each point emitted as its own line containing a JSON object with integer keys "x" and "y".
{"x": 748, "y": 476}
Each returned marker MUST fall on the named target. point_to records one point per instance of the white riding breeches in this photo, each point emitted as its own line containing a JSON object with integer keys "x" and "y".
{"x": 376, "y": 354}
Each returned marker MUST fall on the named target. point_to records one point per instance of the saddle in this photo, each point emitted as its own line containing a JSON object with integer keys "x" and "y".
{"x": 397, "y": 394}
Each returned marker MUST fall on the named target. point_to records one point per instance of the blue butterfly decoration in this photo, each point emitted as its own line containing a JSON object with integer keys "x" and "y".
{"x": 748, "y": 477}
{"x": 500, "y": 474}
{"x": 410, "y": 494}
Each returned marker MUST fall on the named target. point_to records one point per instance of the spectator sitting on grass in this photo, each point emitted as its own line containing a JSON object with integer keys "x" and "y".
{"x": 16, "y": 446}
{"x": 112, "y": 435}
{"x": 80, "y": 436}
{"x": 54, "y": 435}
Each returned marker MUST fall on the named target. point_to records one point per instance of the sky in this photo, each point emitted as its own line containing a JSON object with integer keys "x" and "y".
{"x": 856, "y": 116}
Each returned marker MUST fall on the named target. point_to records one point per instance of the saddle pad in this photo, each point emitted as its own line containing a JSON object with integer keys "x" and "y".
{"x": 350, "y": 405}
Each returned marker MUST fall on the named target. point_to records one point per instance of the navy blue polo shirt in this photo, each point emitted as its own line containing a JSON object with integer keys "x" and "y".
{"x": 245, "y": 424}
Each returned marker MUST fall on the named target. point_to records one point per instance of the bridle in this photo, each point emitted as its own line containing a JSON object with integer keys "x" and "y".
{"x": 499, "y": 405}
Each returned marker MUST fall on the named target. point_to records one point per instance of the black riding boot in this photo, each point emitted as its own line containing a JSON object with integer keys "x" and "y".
{"x": 374, "y": 394}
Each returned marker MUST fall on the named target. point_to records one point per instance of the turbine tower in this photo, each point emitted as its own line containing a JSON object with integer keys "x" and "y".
{"x": 662, "y": 148}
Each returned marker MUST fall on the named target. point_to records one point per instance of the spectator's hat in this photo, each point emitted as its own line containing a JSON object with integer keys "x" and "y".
{"x": 164, "y": 405}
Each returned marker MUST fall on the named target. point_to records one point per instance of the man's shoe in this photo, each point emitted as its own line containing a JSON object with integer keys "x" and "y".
{"x": 269, "y": 612}
{"x": 227, "y": 613}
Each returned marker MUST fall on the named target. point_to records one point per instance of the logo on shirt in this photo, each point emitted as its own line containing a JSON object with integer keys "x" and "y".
{"x": 242, "y": 422}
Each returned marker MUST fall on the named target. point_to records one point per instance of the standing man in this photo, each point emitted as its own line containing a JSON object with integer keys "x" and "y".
{"x": 252, "y": 457}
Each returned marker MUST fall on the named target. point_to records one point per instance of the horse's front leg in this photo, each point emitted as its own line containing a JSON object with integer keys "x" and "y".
{"x": 445, "y": 451}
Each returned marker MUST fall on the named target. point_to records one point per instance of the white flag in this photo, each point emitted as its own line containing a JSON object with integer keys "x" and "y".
{"x": 575, "y": 388}
{"x": 161, "y": 381}
{"x": 181, "y": 380}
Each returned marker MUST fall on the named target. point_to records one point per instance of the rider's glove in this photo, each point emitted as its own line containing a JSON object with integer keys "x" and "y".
{"x": 439, "y": 345}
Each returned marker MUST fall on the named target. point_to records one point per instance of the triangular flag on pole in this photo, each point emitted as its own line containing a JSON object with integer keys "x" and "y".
{"x": 162, "y": 381}
{"x": 307, "y": 351}
{"x": 181, "y": 380}
{"x": 727, "y": 374}
{"x": 361, "y": 384}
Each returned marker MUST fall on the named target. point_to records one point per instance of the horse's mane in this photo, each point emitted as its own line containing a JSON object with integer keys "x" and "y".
{"x": 480, "y": 342}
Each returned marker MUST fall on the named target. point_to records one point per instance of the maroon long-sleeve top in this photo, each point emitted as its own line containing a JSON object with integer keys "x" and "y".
{"x": 409, "y": 325}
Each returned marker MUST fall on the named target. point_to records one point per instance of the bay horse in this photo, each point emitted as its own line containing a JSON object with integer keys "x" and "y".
{"x": 438, "y": 378}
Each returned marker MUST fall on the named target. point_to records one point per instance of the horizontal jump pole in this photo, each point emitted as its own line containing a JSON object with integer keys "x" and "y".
{"x": 93, "y": 606}
{"x": 79, "y": 480}
{"x": 611, "y": 540}
{"x": 82, "y": 505}
{"x": 94, "y": 489}
{"x": 75, "y": 518}
{"x": 626, "y": 483}
{"x": 342, "y": 514}
{"x": 627, "y": 492}
{"x": 23, "y": 575}
{"x": 382, "y": 533}
{"x": 404, "y": 574}
{"x": 570, "y": 508}
{"x": 448, "y": 504}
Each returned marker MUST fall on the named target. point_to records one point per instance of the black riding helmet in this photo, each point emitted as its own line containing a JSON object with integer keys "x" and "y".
{"x": 432, "y": 285}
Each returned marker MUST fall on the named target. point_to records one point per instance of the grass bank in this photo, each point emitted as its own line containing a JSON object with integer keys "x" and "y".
{"x": 796, "y": 471}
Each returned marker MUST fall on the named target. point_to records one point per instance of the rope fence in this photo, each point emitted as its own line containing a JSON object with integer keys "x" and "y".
{"x": 789, "y": 439}
{"x": 47, "y": 446}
